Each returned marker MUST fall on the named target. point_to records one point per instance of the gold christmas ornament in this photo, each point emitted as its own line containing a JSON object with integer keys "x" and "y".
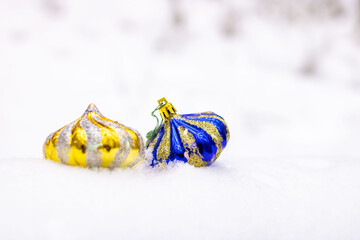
{"x": 95, "y": 141}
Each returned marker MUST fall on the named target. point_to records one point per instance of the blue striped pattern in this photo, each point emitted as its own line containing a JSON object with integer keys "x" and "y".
{"x": 205, "y": 133}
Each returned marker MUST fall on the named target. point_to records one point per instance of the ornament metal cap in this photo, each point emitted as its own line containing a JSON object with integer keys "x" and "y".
{"x": 166, "y": 109}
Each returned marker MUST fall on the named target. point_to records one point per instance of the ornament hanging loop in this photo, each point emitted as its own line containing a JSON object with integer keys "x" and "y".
{"x": 166, "y": 109}
{"x": 151, "y": 134}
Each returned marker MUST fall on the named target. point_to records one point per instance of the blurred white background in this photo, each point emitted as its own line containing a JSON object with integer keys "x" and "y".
{"x": 285, "y": 75}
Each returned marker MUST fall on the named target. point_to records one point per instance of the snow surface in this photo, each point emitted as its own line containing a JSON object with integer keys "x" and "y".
{"x": 286, "y": 80}
{"x": 246, "y": 198}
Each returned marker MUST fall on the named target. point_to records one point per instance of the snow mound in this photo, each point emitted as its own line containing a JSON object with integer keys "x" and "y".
{"x": 233, "y": 199}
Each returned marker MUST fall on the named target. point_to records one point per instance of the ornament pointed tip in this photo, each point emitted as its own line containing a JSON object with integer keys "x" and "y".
{"x": 91, "y": 108}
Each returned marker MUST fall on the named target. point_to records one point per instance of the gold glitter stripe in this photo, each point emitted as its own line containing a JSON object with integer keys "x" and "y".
{"x": 110, "y": 141}
{"x": 216, "y": 117}
{"x": 212, "y": 131}
{"x": 78, "y": 139}
{"x": 163, "y": 151}
{"x": 193, "y": 156}
{"x": 154, "y": 141}
{"x": 50, "y": 146}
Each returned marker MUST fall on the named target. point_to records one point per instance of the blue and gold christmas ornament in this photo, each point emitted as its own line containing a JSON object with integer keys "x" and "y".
{"x": 197, "y": 138}
{"x": 95, "y": 141}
